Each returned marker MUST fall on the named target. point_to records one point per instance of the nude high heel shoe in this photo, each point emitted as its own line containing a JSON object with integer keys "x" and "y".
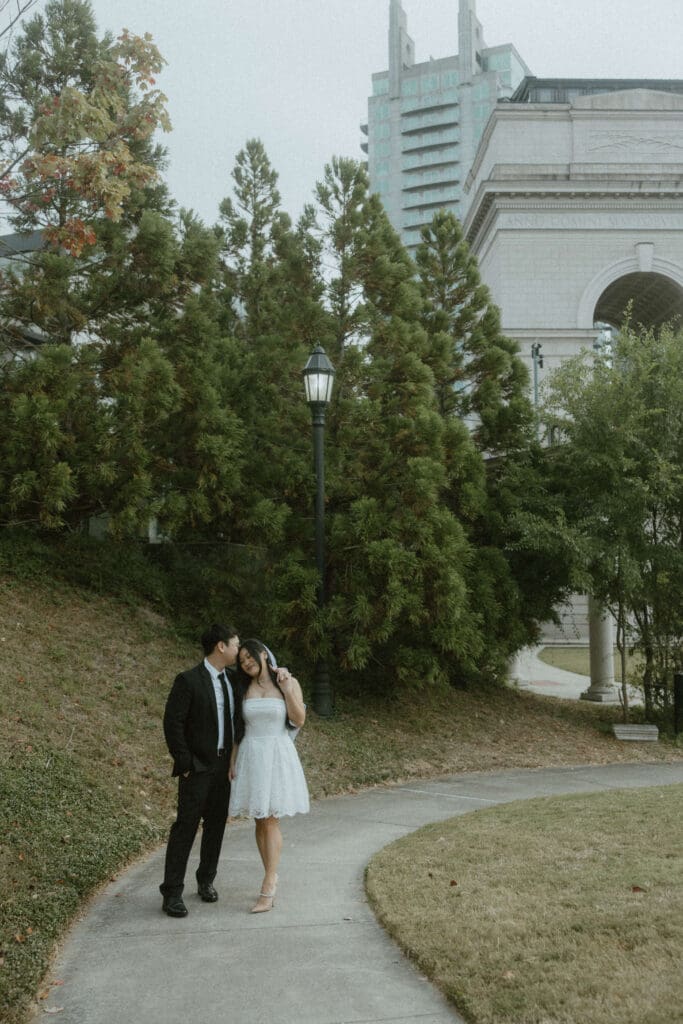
{"x": 265, "y": 901}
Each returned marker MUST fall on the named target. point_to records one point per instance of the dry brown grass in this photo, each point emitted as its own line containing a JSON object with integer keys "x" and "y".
{"x": 553, "y": 911}
{"x": 424, "y": 736}
{"x": 88, "y": 677}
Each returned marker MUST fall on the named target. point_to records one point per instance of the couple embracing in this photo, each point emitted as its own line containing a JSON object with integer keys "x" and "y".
{"x": 226, "y": 725}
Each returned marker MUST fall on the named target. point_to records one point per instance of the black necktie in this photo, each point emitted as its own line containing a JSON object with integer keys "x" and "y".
{"x": 227, "y": 717}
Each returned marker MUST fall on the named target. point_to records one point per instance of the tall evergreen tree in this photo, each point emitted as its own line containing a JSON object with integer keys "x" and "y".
{"x": 272, "y": 285}
{"x": 271, "y": 294}
{"x": 341, "y": 196}
{"x": 398, "y": 598}
{"x": 119, "y": 283}
{"x": 80, "y": 169}
{"x": 477, "y": 370}
{"x": 516, "y": 572}
{"x": 199, "y": 448}
{"x": 250, "y": 220}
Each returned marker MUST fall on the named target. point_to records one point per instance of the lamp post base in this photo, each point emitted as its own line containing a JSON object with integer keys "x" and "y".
{"x": 322, "y": 690}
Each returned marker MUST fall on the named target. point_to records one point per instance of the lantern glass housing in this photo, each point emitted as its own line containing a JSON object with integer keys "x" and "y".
{"x": 318, "y": 377}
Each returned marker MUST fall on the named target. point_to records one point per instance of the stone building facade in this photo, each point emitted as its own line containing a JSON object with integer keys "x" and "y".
{"x": 576, "y": 209}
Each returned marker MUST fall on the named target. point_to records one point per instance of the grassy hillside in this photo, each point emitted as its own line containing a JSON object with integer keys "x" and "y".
{"x": 84, "y": 780}
{"x": 85, "y": 777}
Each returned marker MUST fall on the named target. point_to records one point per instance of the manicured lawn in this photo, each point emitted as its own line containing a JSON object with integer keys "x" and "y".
{"x": 576, "y": 659}
{"x": 551, "y": 911}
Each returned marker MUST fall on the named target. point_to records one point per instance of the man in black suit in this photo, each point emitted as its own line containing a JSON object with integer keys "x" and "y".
{"x": 198, "y": 724}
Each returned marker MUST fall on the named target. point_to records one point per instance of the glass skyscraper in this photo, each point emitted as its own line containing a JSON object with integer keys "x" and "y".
{"x": 425, "y": 120}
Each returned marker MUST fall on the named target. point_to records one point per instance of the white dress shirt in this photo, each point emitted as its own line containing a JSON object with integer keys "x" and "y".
{"x": 220, "y": 703}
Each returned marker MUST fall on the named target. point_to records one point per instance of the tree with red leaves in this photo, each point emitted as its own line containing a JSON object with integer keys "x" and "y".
{"x": 76, "y": 114}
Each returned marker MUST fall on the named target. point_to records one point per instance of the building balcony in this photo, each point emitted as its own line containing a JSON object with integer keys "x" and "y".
{"x": 432, "y": 138}
{"x": 426, "y": 198}
{"x": 364, "y": 128}
{"x": 430, "y": 158}
{"x": 431, "y": 180}
{"x": 415, "y": 221}
{"x": 444, "y": 117}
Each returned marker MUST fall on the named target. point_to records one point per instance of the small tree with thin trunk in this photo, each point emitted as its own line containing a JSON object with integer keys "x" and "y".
{"x": 621, "y": 418}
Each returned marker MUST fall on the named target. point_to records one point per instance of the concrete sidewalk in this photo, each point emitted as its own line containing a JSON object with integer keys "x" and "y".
{"x": 530, "y": 673}
{"x": 319, "y": 957}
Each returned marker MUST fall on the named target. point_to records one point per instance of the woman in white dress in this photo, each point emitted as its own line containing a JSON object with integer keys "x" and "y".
{"x": 267, "y": 780}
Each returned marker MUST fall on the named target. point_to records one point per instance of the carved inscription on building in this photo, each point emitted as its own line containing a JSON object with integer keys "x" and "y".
{"x": 624, "y": 141}
{"x": 544, "y": 220}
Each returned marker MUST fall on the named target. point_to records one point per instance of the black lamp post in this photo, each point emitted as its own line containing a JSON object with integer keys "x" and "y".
{"x": 537, "y": 360}
{"x": 318, "y": 382}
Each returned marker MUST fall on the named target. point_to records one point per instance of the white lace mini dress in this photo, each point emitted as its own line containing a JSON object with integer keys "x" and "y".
{"x": 269, "y": 780}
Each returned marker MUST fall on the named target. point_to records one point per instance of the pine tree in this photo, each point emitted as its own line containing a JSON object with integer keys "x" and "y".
{"x": 271, "y": 296}
{"x": 202, "y": 441}
{"x": 271, "y": 284}
{"x": 516, "y": 571}
{"x": 478, "y": 374}
{"x": 81, "y": 170}
{"x": 249, "y": 222}
{"x": 74, "y": 438}
{"x": 341, "y": 196}
{"x": 133, "y": 302}
{"x": 398, "y": 597}
{"x": 77, "y": 115}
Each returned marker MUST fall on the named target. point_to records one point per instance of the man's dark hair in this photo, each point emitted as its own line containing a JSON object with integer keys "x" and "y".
{"x": 214, "y": 634}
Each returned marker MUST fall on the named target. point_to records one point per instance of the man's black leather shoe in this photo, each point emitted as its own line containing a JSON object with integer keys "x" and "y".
{"x": 174, "y": 906}
{"x": 207, "y": 893}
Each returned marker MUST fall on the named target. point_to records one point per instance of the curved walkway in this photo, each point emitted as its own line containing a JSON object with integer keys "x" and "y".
{"x": 319, "y": 957}
{"x": 529, "y": 672}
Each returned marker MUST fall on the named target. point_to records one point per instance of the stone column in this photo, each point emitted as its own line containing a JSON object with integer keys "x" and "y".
{"x": 514, "y": 673}
{"x": 601, "y": 639}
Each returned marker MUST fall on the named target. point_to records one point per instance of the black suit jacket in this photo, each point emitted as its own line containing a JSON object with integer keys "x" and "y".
{"x": 191, "y": 722}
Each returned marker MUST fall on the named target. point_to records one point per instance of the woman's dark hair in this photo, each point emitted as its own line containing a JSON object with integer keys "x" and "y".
{"x": 256, "y": 649}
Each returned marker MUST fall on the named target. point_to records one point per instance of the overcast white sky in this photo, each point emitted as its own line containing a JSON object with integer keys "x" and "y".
{"x": 296, "y": 73}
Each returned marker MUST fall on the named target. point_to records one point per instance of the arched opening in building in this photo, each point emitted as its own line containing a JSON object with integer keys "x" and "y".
{"x": 655, "y": 300}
